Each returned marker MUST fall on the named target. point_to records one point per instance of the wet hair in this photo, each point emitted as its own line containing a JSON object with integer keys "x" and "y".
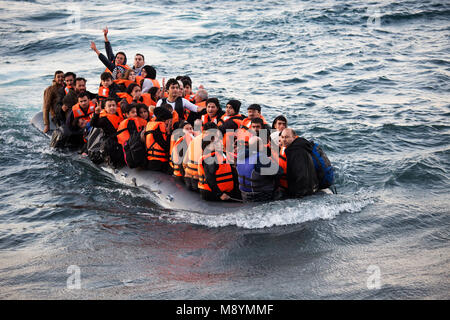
{"x": 131, "y": 87}
{"x": 258, "y": 121}
{"x": 215, "y": 101}
{"x": 152, "y": 92}
{"x": 151, "y": 72}
{"x": 170, "y": 82}
{"x": 80, "y": 79}
{"x": 279, "y": 118}
{"x": 68, "y": 74}
{"x": 82, "y": 94}
{"x": 254, "y": 107}
{"x": 105, "y": 76}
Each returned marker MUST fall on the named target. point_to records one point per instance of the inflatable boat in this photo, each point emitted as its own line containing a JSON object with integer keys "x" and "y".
{"x": 166, "y": 191}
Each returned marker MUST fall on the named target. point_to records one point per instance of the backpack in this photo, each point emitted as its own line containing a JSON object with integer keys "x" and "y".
{"x": 96, "y": 146}
{"x": 134, "y": 149}
{"x": 114, "y": 153}
{"x": 324, "y": 169}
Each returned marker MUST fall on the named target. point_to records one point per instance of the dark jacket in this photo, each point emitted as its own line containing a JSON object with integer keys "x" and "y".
{"x": 301, "y": 175}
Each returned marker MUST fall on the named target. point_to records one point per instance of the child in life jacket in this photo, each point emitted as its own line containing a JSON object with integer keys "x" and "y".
{"x": 108, "y": 89}
{"x": 108, "y": 119}
{"x": 130, "y": 115}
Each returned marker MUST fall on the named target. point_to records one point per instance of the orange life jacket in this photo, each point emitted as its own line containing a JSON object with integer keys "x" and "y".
{"x": 80, "y": 113}
{"x": 282, "y": 162}
{"x": 201, "y": 104}
{"x": 223, "y": 174}
{"x": 67, "y": 89}
{"x": 103, "y": 92}
{"x": 193, "y": 154}
{"x": 237, "y": 119}
{"x": 154, "y": 81}
{"x": 120, "y": 65}
{"x": 206, "y": 119}
{"x": 145, "y": 98}
{"x": 125, "y": 82}
{"x": 122, "y": 130}
{"x": 154, "y": 150}
{"x": 114, "y": 119}
{"x": 176, "y": 161}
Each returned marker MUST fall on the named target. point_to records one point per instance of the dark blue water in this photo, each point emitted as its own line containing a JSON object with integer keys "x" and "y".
{"x": 368, "y": 80}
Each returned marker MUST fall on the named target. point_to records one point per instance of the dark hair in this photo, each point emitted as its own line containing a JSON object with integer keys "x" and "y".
{"x": 167, "y": 106}
{"x": 258, "y": 121}
{"x": 129, "y": 107}
{"x": 140, "y": 54}
{"x": 109, "y": 99}
{"x": 170, "y": 82}
{"x": 179, "y": 78}
{"x": 82, "y": 94}
{"x": 152, "y": 92}
{"x": 209, "y": 125}
{"x": 187, "y": 78}
{"x": 254, "y": 107}
{"x": 80, "y": 79}
{"x": 279, "y": 118}
{"x": 124, "y": 55}
{"x": 131, "y": 87}
{"x": 68, "y": 74}
{"x": 207, "y": 142}
{"x": 105, "y": 76}
{"x": 215, "y": 101}
{"x": 57, "y": 72}
{"x": 140, "y": 106}
{"x": 186, "y": 82}
{"x": 151, "y": 72}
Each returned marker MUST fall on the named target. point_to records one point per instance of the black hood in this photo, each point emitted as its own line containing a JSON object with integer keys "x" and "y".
{"x": 300, "y": 143}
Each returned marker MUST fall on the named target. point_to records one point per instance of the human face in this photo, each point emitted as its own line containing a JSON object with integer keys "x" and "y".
{"x": 187, "y": 90}
{"x": 84, "y": 102}
{"x": 69, "y": 81}
{"x": 132, "y": 113}
{"x": 252, "y": 114}
{"x": 280, "y": 125}
{"x": 143, "y": 113}
{"x": 59, "y": 78}
{"x": 255, "y": 127}
{"x": 80, "y": 86}
{"x": 138, "y": 61}
{"x": 120, "y": 59}
{"x": 174, "y": 90}
{"x": 132, "y": 76}
{"x": 229, "y": 110}
{"x": 106, "y": 83}
{"x": 188, "y": 129}
{"x": 110, "y": 107}
{"x": 143, "y": 73}
{"x": 181, "y": 89}
{"x": 82, "y": 123}
{"x": 211, "y": 109}
{"x": 136, "y": 93}
{"x": 286, "y": 138}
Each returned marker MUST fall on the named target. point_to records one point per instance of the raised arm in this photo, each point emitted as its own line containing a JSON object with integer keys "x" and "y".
{"x": 102, "y": 57}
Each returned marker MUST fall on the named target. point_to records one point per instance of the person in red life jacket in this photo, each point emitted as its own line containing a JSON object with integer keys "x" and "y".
{"x": 128, "y": 78}
{"x": 143, "y": 112}
{"x": 179, "y": 104}
{"x": 155, "y": 94}
{"x": 147, "y": 79}
{"x": 300, "y": 172}
{"x": 108, "y": 89}
{"x": 187, "y": 84}
{"x": 108, "y": 119}
{"x": 80, "y": 86}
{"x": 134, "y": 95}
{"x": 254, "y": 111}
{"x": 279, "y": 124}
{"x": 232, "y": 119}
{"x": 83, "y": 109}
{"x": 217, "y": 181}
{"x": 51, "y": 98}
{"x": 130, "y": 114}
{"x": 112, "y": 62}
{"x": 213, "y": 111}
{"x": 139, "y": 62}
{"x": 180, "y": 140}
{"x": 157, "y": 140}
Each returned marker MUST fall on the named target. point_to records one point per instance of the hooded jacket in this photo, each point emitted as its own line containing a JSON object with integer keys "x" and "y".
{"x": 301, "y": 175}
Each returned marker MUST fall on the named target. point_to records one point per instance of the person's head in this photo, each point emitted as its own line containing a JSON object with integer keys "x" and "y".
{"x": 187, "y": 84}
{"x": 163, "y": 114}
{"x": 69, "y": 78}
{"x": 119, "y": 72}
{"x": 255, "y": 143}
{"x": 201, "y": 95}
{"x": 155, "y": 93}
{"x": 211, "y": 136}
{"x": 148, "y": 72}
{"x": 79, "y": 123}
{"x": 212, "y": 107}
{"x": 172, "y": 87}
{"x": 110, "y": 106}
{"x": 131, "y": 111}
{"x": 129, "y": 75}
{"x": 139, "y": 60}
{"x": 279, "y": 123}
{"x": 83, "y": 100}
{"x": 254, "y": 111}
{"x": 181, "y": 88}
{"x": 287, "y": 137}
{"x": 106, "y": 79}
{"x": 232, "y": 107}
{"x": 80, "y": 85}
{"x": 142, "y": 111}
{"x": 58, "y": 78}
{"x": 256, "y": 124}
{"x": 134, "y": 91}
{"x": 120, "y": 58}
{"x": 187, "y": 127}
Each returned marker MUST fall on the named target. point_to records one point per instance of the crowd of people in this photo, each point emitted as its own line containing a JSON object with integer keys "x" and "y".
{"x": 223, "y": 154}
